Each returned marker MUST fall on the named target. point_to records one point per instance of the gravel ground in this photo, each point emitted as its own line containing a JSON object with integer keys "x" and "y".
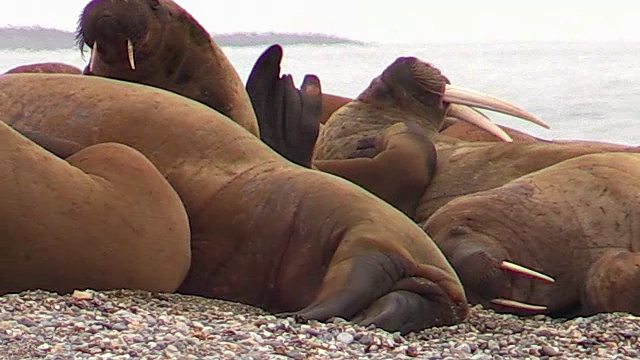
{"x": 134, "y": 324}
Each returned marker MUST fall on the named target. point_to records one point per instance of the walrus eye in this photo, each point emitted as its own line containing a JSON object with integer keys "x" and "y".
{"x": 155, "y": 4}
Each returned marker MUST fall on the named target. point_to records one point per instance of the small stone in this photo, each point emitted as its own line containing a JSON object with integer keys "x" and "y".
{"x": 465, "y": 348}
{"x": 81, "y": 295}
{"x": 345, "y": 338}
{"x": 550, "y": 350}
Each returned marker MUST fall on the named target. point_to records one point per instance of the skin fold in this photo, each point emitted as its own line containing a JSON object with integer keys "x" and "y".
{"x": 103, "y": 218}
{"x": 575, "y": 221}
{"x": 168, "y": 48}
{"x": 264, "y": 231}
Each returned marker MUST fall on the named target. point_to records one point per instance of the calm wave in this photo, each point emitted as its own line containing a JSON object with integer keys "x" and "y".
{"x": 583, "y": 90}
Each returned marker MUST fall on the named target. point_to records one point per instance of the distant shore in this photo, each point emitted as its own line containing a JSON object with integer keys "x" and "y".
{"x": 36, "y": 38}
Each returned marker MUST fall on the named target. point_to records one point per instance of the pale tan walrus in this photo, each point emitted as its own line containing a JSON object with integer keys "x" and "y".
{"x": 104, "y": 219}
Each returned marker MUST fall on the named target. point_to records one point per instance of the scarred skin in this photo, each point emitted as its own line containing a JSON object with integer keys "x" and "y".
{"x": 46, "y": 67}
{"x": 410, "y": 91}
{"x": 264, "y": 231}
{"x": 103, "y": 219}
{"x": 172, "y": 51}
{"x": 575, "y": 221}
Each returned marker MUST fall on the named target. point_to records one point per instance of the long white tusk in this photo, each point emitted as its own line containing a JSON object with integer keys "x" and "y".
{"x": 94, "y": 53}
{"x": 132, "y": 60}
{"x": 463, "y": 96}
{"x": 518, "y": 305}
{"x": 521, "y": 270}
{"x": 478, "y": 119}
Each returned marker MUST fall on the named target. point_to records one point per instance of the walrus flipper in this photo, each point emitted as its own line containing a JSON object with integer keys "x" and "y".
{"x": 397, "y": 165}
{"x": 382, "y": 289}
{"x": 613, "y": 283}
{"x": 62, "y": 148}
{"x": 289, "y": 119}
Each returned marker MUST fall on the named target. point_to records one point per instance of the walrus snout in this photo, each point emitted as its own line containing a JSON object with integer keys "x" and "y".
{"x": 113, "y": 22}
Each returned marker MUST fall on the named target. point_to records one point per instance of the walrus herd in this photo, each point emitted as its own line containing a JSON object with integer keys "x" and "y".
{"x": 155, "y": 168}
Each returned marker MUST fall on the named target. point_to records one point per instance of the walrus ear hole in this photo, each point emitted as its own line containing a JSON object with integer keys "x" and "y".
{"x": 154, "y": 4}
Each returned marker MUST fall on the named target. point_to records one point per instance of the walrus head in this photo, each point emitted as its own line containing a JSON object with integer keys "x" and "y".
{"x": 158, "y": 43}
{"x": 420, "y": 88}
{"x": 483, "y": 265}
{"x": 123, "y": 33}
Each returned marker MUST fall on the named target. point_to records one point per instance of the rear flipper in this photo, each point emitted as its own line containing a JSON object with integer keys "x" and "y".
{"x": 397, "y": 165}
{"x": 289, "y": 119}
{"x": 613, "y": 283}
{"x": 60, "y": 147}
{"x": 388, "y": 291}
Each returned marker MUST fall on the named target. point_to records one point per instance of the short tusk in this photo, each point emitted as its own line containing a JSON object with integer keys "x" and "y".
{"x": 463, "y": 96}
{"x": 521, "y": 270}
{"x": 518, "y": 305}
{"x": 94, "y": 53}
{"x": 132, "y": 60}
{"x": 478, "y": 119}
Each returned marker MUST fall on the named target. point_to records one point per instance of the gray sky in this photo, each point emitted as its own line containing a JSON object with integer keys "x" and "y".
{"x": 382, "y": 20}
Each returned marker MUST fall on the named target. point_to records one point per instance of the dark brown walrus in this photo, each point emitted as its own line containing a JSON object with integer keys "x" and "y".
{"x": 46, "y": 67}
{"x": 576, "y": 221}
{"x": 158, "y": 43}
{"x": 264, "y": 231}
{"x": 105, "y": 218}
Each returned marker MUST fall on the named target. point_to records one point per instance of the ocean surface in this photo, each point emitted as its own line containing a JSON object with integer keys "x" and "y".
{"x": 583, "y": 90}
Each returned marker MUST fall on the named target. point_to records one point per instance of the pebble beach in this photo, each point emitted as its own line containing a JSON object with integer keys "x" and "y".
{"x": 140, "y": 325}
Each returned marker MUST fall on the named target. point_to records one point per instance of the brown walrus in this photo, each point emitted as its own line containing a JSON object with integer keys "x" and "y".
{"x": 158, "y": 43}
{"x": 105, "y": 219}
{"x": 45, "y": 67}
{"x": 576, "y": 221}
{"x": 410, "y": 90}
{"x": 264, "y": 231}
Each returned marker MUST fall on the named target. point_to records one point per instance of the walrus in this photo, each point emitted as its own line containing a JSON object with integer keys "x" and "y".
{"x": 103, "y": 218}
{"x": 45, "y": 67}
{"x": 410, "y": 90}
{"x": 264, "y": 231}
{"x": 158, "y": 43}
{"x": 575, "y": 221}
{"x": 455, "y": 128}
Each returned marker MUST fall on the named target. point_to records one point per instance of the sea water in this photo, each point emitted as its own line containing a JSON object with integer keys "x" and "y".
{"x": 585, "y": 90}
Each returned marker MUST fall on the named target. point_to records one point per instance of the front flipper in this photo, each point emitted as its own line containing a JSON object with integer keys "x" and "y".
{"x": 385, "y": 290}
{"x": 613, "y": 284}
{"x": 60, "y": 147}
{"x": 396, "y": 165}
{"x": 289, "y": 119}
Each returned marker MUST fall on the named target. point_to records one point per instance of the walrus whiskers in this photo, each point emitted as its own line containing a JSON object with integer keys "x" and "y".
{"x": 518, "y": 305}
{"x": 463, "y": 96}
{"x": 132, "y": 61}
{"x": 94, "y": 52}
{"x": 521, "y": 270}
{"x": 478, "y": 119}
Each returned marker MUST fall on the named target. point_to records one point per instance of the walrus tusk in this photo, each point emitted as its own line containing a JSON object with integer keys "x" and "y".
{"x": 94, "y": 53}
{"x": 463, "y": 96}
{"x": 518, "y": 305}
{"x": 132, "y": 60}
{"x": 521, "y": 270}
{"x": 478, "y": 119}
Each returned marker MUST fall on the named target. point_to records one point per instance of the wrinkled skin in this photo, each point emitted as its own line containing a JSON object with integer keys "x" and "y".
{"x": 410, "y": 90}
{"x": 172, "y": 51}
{"x": 263, "y": 231}
{"x": 47, "y": 67}
{"x": 103, "y": 218}
{"x": 575, "y": 221}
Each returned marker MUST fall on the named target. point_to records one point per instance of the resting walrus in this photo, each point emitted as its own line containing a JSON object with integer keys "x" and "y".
{"x": 264, "y": 231}
{"x": 158, "y": 43}
{"x": 45, "y": 67}
{"x": 104, "y": 219}
{"x": 576, "y": 221}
